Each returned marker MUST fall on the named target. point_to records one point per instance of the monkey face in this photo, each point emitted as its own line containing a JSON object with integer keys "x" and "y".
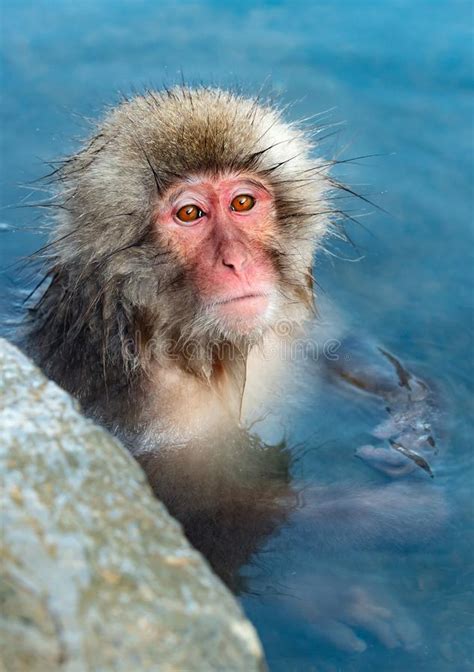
{"x": 218, "y": 227}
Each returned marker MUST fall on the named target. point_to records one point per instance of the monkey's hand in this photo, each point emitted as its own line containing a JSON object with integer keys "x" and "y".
{"x": 346, "y": 615}
{"x": 347, "y": 618}
{"x": 409, "y": 402}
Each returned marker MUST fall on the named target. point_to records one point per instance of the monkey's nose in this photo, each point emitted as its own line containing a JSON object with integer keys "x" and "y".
{"x": 235, "y": 257}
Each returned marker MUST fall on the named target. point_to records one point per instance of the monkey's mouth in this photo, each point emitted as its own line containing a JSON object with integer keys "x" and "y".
{"x": 243, "y": 307}
{"x": 242, "y": 297}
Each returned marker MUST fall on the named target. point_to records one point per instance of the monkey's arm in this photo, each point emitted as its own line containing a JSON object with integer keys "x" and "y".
{"x": 409, "y": 403}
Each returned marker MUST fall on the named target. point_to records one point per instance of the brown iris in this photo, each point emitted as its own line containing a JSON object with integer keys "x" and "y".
{"x": 242, "y": 203}
{"x": 189, "y": 213}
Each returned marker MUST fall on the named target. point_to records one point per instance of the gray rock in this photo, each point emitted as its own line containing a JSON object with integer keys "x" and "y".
{"x": 95, "y": 574}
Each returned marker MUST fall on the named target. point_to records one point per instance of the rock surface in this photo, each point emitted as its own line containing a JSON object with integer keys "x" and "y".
{"x": 95, "y": 575}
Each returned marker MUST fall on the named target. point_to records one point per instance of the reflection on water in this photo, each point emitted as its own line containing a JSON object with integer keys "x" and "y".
{"x": 399, "y": 74}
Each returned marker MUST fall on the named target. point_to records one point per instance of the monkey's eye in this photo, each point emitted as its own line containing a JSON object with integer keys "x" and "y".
{"x": 189, "y": 213}
{"x": 242, "y": 203}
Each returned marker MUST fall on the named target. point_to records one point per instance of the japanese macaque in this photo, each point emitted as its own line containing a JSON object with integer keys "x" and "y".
{"x": 179, "y": 273}
{"x": 186, "y": 231}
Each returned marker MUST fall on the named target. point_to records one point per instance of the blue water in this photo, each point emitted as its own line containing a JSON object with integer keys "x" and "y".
{"x": 398, "y": 74}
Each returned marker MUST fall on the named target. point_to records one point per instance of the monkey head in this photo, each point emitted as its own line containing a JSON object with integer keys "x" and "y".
{"x": 195, "y": 214}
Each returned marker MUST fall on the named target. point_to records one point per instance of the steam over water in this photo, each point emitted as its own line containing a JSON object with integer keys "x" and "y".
{"x": 399, "y": 74}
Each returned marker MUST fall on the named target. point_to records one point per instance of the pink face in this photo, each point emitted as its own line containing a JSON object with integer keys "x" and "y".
{"x": 218, "y": 227}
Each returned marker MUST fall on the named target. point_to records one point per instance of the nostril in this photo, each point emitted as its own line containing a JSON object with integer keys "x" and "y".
{"x": 229, "y": 264}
